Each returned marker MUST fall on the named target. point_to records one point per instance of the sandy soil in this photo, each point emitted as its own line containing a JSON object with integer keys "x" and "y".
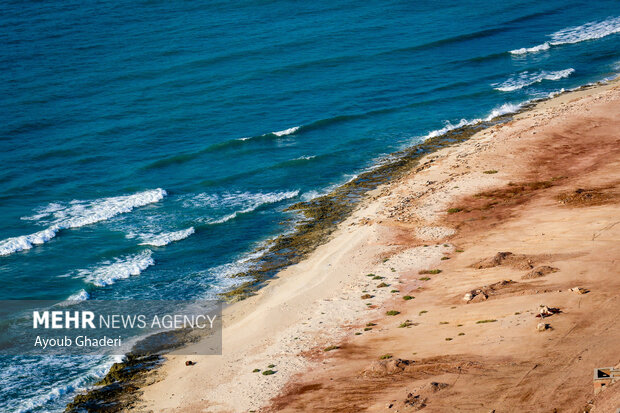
{"x": 544, "y": 187}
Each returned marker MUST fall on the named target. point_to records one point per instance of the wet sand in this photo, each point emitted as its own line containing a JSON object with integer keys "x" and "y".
{"x": 544, "y": 187}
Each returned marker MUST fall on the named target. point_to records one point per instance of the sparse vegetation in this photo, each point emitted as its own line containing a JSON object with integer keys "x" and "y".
{"x": 394, "y": 291}
{"x": 377, "y": 277}
{"x": 367, "y": 328}
{"x": 425, "y": 278}
{"x": 422, "y": 312}
{"x": 255, "y": 370}
{"x": 370, "y": 324}
{"x": 435, "y": 271}
{"x": 367, "y": 296}
{"x": 358, "y": 334}
{"x": 485, "y": 321}
{"x": 448, "y": 338}
{"x": 408, "y": 297}
{"x": 490, "y": 172}
{"x": 392, "y": 312}
{"x": 382, "y": 285}
{"x": 461, "y": 334}
{"x": 444, "y": 322}
{"x": 405, "y": 324}
{"x": 271, "y": 366}
{"x": 330, "y": 348}
{"x": 445, "y": 258}
{"x": 268, "y": 372}
{"x": 386, "y": 356}
{"x": 459, "y": 250}
{"x": 370, "y": 275}
{"x": 454, "y": 210}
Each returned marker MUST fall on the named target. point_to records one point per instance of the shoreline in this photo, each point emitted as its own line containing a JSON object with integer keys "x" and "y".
{"x": 289, "y": 301}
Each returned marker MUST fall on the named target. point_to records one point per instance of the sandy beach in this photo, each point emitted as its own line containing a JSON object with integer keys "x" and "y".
{"x": 427, "y": 296}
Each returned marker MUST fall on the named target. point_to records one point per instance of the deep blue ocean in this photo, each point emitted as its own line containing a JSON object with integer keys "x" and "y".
{"x": 148, "y": 148}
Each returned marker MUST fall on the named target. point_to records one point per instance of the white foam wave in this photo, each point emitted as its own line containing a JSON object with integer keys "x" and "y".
{"x": 78, "y": 214}
{"x": 254, "y": 203}
{"x": 98, "y": 369}
{"x": 577, "y": 34}
{"x": 159, "y": 240}
{"x": 286, "y": 131}
{"x": 25, "y": 242}
{"x": 525, "y": 50}
{"x": 504, "y": 109}
{"x": 240, "y": 202}
{"x": 305, "y": 158}
{"x": 450, "y": 126}
{"x": 526, "y": 78}
{"x": 45, "y": 211}
{"x": 108, "y": 272}
{"x": 81, "y": 295}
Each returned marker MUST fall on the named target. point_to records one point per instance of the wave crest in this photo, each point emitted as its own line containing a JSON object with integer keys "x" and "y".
{"x": 78, "y": 214}
{"x": 108, "y": 272}
{"x": 576, "y": 34}
{"x": 240, "y": 202}
{"x": 165, "y": 238}
{"x": 526, "y": 78}
{"x": 287, "y": 131}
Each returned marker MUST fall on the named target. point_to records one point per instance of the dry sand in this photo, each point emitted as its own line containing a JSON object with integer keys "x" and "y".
{"x": 553, "y": 203}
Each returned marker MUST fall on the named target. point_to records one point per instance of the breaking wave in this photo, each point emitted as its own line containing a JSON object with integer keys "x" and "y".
{"x": 241, "y": 202}
{"x": 77, "y": 214}
{"x": 576, "y": 34}
{"x": 159, "y": 240}
{"x": 287, "y": 131}
{"x": 526, "y": 78}
{"x": 504, "y": 109}
{"x": 109, "y": 271}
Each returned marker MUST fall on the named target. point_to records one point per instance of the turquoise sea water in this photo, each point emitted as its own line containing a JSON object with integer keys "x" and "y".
{"x": 147, "y": 148}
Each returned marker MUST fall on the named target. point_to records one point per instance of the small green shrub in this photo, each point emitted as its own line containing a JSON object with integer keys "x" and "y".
{"x": 434, "y": 272}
